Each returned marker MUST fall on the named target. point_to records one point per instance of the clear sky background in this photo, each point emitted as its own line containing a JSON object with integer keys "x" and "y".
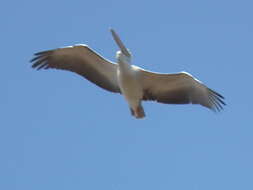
{"x": 59, "y": 131}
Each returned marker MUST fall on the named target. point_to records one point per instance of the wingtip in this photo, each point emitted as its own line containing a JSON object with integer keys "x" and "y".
{"x": 219, "y": 95}
{"x": 35, "y": 57}
{"x": 217, "y": 103}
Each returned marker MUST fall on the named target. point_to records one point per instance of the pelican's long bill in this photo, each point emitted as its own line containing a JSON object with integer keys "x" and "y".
{"x": 120, "y": 43}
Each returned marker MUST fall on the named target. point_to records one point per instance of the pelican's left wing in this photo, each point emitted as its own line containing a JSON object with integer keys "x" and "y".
{"x": 82, "y": 60}
{"x": 180, "y": 88}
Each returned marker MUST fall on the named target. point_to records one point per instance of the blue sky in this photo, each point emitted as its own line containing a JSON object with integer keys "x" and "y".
{"x": 58, "y": 131}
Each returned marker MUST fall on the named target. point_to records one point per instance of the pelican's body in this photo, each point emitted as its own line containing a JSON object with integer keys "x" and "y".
{"x": 134, "y": 83}
{"x": 129, "y": 84}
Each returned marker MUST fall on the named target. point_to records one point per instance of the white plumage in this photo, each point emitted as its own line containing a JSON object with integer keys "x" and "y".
{"x": 134, "y": 83}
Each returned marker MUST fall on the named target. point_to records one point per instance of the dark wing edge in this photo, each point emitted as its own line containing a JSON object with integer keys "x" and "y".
{"x": 77, "y": 59}
{"x": 180, "y": 88}
{"x": 216, "y": 100}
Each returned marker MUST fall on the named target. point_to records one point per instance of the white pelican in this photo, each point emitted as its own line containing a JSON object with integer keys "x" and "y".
{"x": 134, "y": 83}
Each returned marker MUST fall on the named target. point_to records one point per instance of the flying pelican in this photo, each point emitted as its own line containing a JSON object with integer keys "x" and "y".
{"x": 134, "y": 83}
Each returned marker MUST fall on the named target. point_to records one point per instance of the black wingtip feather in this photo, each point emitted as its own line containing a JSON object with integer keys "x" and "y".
{"x": 43, "y": 52}
{"x": 216, "y": 93}
{"x": 216, "y": 100}
{"x": 36, "y": 58}
{"x": 42, "y": 61}
{"x": 219, "y": 97}
{"x": 42, "y": 66}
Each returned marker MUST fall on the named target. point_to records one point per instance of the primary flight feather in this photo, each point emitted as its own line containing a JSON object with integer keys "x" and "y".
{"x": 134, "y": 83}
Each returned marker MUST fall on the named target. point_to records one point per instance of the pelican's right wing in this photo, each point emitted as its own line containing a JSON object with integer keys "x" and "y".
{"x": 81, "y": 60}
{"x": 179, "y": 88}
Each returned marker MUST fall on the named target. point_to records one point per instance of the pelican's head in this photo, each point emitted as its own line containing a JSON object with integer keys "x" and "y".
{"x": 121, "y": 57}
{"x": 124, "y": 55}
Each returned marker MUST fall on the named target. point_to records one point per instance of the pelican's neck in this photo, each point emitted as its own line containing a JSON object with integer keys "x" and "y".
{"x": 124, "y": 64}
{"x": 123, "y": 60}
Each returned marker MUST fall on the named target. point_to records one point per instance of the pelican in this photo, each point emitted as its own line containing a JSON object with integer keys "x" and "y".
{"x": 134, "y": 83}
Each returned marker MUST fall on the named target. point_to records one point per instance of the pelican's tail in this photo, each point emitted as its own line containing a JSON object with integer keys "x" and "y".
{"x": 138, "y": 112}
